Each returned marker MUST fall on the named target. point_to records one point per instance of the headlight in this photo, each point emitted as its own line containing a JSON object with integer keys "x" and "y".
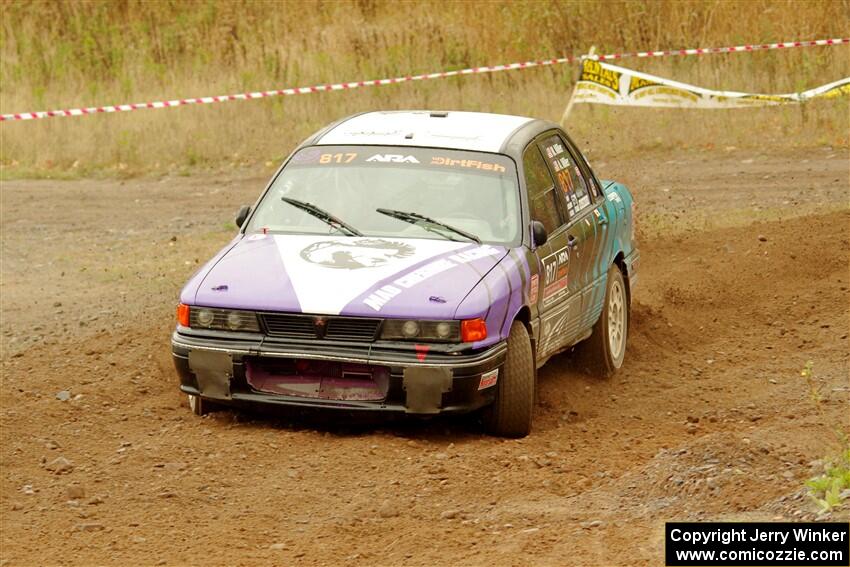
{"x": 223, "y": 319}
{"x": 234, "y": 320}
{"x": 205, "y": 317}
{"x": 410, "y": 329}
{"x": 423, "y": 331}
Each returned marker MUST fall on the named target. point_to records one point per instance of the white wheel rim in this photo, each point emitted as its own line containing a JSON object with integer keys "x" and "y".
{"x": 616, "y": 320}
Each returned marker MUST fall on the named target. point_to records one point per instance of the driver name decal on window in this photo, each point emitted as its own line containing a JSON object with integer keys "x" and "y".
{"x": 554, "y": 150}
{"x": 567, "y": 174}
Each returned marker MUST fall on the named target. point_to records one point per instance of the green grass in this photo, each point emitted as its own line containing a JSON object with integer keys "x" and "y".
{"x": 831, "y": 489}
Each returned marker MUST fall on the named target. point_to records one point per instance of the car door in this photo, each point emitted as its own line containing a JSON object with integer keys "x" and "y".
{"x": 582, "y": 225}
{"x": 557, "y": 297}
{"x": 597, "y": 269}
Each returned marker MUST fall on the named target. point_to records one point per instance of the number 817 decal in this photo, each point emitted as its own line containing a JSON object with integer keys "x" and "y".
{"x": 555, "y": 270}
{"x": 337, "y": 158}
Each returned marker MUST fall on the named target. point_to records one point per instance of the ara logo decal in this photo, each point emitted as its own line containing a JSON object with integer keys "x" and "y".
{"x": 393, "y": 158}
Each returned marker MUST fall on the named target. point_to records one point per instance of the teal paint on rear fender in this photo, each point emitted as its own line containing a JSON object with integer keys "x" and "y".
{"x": 619, "y": 204}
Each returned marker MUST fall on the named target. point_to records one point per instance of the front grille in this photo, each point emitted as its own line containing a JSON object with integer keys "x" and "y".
{"x": 288, "y": 326}
{"x": 352, "y": 329}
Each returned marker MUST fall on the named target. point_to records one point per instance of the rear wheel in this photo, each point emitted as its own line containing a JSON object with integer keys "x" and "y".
{"x": 603, "y": 352}
{"x": 511, "y": 412}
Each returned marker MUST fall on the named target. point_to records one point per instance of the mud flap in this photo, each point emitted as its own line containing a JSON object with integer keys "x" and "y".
{"x": 213, "y": 371}
{"x": 425, "y": 388}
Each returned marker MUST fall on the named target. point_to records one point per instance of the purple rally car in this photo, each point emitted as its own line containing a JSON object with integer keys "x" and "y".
{"x": 414, "y": 262}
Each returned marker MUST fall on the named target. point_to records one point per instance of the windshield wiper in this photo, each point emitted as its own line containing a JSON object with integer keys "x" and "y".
{"x": 415, "y": 218}
{"x": 323, "y": 215}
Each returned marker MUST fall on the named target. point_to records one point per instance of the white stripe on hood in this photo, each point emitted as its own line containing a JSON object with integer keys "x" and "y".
{"x": 329, "y": 272}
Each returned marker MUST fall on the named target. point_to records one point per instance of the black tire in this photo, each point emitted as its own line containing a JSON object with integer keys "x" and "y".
{"x": 595, "y": 354}
{"x": 511, "y": 412}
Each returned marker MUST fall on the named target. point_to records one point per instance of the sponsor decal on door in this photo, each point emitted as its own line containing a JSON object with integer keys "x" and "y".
{"x": 555, "y": 271}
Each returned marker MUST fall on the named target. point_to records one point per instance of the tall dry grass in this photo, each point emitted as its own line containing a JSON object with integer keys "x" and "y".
{"x": 87, "y": 53}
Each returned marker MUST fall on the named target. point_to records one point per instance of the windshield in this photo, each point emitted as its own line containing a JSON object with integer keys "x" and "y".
{"x": 463, "y": 195}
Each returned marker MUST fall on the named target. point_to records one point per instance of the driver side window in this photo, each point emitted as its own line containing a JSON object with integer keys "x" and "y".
{"x": 542, "y": 198}
{"x": 568, "y": 174}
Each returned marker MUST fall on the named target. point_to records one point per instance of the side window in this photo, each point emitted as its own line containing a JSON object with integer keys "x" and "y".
{"x": 569, "y": 176}
{"x": 595, "y": 190}
{"x": 541, "y": 190}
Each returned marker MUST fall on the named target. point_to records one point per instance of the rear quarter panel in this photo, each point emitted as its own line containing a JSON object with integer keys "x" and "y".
{"x": 619, "y": 205}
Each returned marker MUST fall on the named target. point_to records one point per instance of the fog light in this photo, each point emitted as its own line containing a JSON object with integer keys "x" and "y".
{"x": 410, "y": 329}
{"x": 205, "y": 317}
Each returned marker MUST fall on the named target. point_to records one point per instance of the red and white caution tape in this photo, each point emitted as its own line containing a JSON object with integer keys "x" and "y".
{"x": 437, "y": 75}
{"x": 734, "y": 49}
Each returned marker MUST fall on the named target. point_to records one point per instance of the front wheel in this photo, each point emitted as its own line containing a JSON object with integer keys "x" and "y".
{"x": 604, "y": 351}
{"x": 511, "y": 412}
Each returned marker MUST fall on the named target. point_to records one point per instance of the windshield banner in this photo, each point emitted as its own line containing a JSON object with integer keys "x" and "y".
{"x": 404, "y": 157}
{"x": 603, "y": 83}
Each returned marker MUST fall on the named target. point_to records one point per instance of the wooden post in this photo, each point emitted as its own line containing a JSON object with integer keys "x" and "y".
{"x": 570, "y": 102}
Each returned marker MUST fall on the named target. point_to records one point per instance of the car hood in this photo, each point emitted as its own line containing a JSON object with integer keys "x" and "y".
{"x": 356, "y": 276}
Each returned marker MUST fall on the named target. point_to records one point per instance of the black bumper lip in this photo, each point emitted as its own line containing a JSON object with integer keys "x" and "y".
{"x": 462, "y": 396}
{"x": 247, "y": 398}
{"x": 368, "y": 353}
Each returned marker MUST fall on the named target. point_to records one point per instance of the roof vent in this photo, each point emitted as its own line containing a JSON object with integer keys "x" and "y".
{"x": 439, "y": 114}
{"x": 409, "y": 136}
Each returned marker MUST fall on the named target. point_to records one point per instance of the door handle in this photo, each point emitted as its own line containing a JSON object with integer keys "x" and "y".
{"x": 572, "y": 241}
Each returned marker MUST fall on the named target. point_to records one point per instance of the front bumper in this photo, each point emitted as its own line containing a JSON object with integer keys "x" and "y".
{"x": 422, "y": 381}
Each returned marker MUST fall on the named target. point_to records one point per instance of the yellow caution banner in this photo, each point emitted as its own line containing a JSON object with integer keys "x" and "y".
{"x": 603, "y": 83}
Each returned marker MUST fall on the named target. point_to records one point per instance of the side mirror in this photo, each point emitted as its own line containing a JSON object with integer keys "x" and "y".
{"x": 538, "y": 233}
{"x": 243, "y": 213}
